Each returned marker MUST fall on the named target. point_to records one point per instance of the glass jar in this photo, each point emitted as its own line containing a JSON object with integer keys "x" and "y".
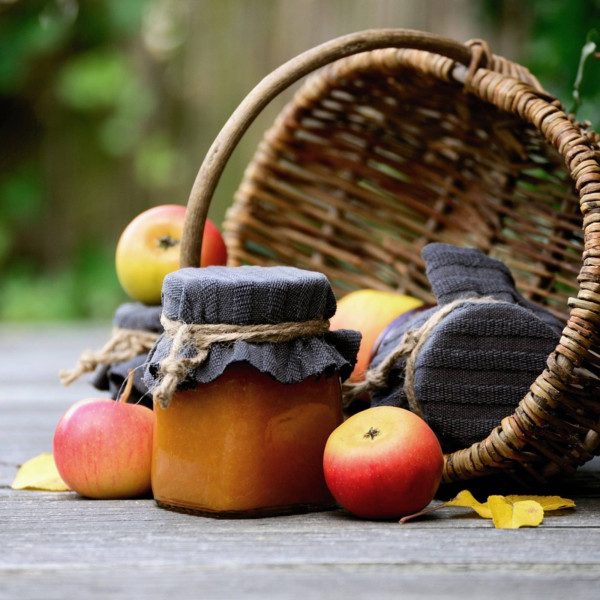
{"x": 245, "y": 445}
{"x": 246, "y": 381}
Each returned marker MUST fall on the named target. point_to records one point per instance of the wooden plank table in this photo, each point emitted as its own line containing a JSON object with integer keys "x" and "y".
{"x": 58, "y": 545}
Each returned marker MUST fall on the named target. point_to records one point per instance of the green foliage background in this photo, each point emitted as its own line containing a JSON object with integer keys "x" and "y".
{"x": 107, "y": 107}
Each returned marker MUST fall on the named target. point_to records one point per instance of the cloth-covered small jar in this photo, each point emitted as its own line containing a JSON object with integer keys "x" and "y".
{"x": 137, "y": 326}
{"x": 247, "y": 386}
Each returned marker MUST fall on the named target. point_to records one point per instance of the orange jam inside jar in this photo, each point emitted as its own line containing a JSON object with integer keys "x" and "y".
{"x": 246, "y": 381}
{"x": 245, "y": 445}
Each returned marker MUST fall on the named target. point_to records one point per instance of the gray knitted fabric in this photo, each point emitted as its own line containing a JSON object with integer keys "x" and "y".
{"x": 255, "y": 295}
{"x": 481, "y": 358}
{"x": 135, "y": 315}
{"x": 111, "y": 378}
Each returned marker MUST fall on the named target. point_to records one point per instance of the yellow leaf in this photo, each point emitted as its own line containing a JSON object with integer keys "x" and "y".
{"x": 509, "y": 515}
{"x": 466, "y": 499}
{"x": 40, "y": 473}
{"x": 548, "y": 503}
{"x": 526, "y": 504}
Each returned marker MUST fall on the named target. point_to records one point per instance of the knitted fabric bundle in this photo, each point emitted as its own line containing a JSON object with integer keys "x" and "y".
{"x": 250, "y": 295}
{"x": 480, "y": 359}
{"x": 137, "y": 317}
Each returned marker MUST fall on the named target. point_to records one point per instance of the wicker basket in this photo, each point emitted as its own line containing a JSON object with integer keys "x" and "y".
{"x": 401, "y": 138}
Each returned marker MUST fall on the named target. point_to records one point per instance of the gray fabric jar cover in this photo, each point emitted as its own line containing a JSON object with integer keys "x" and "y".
{"x": 249, "y": 295}
{"x": 480, "y": 359}
{"x": 112, "y": 377}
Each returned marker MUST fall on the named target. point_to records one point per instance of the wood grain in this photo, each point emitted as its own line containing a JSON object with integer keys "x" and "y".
{"x": 58, "y": 545}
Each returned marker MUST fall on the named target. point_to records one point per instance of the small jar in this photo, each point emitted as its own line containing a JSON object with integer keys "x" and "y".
{"x": 245, "y": 445}
{"x": 243, "y": 434}
{"x": 136, "y": 327}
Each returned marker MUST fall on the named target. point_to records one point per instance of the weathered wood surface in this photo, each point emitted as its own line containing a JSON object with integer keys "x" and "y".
{"x": 58, "y": 545}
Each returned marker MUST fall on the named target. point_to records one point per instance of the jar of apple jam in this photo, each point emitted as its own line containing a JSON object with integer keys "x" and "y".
{"x": 247, "y": 387}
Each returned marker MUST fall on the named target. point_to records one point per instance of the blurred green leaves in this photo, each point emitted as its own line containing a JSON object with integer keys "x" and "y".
{"x": 103, "y": 104}
{"x": 20, "y": 199}
{"x": 87, "y": 150}
{"x": 157, "y": 161}
{"x": 105, "y": 82}
{"x": 587, "y": 53}
{"x": 555, "y": 51}
{"x": 21, "y": 194}
{"x": 94, "y": 80}
{"x": 85, "y": 287}
{"x": 36, "y": 30}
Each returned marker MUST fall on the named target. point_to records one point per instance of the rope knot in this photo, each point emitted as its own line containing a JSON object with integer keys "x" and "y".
{"x": 123, "y": 344}
{"x": 191, "y": 344}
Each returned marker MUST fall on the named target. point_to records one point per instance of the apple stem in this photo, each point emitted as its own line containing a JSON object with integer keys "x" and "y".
{"x": 421, "y": 513}
{"x": 372, "y": 433}
{"x": 166, "y": 241}
{"x": 128, "y": 387}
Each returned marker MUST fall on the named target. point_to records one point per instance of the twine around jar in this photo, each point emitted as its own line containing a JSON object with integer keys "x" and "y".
{"x": 123, "y": 344}
{"x": 410, "y": 346}
{"x": 200, "y": 337}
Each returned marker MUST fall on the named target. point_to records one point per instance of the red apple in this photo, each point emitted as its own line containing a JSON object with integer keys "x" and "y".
{"x": 148, "y": 249}
{"x": 103, "y": 448}
{"x": 382, "y": 463}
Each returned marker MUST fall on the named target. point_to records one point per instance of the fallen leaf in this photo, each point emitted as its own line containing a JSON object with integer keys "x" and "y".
{"x": 40, "y": 473}
{"x": 512, "y": 515}
{"x": 467, "y": 500}
{"x": 548, "y": 503}
{"x": 527, "y": 511}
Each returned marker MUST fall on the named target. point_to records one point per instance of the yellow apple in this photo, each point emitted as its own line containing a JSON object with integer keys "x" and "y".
{"x": 369, "y": 311}
{"x": 148, "y": 249}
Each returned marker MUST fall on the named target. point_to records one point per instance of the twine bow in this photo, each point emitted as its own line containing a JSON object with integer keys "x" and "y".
{"x": 191, "y": 345}
{"x": 123, "y": 344}
{"x": 410, "y": 345}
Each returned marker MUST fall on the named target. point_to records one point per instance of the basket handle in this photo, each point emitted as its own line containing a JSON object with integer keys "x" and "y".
{"x": 278, "y": 80}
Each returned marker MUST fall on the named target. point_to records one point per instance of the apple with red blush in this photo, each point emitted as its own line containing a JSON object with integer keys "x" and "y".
{"x": 103, "y": 448}
{"x": 382, "y": 463}
{"x": 149, "y": 247}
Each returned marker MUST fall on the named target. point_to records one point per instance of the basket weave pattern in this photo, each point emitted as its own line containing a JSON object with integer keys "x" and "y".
{"x": 385, "y": 151}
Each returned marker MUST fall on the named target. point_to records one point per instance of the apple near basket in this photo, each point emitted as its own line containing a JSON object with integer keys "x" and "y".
{"x": 401, "y": 138}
